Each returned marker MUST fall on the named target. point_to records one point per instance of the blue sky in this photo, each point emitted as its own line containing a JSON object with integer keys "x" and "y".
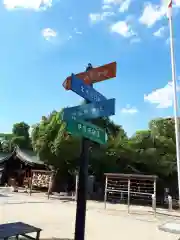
{"x": 44, "y": 41}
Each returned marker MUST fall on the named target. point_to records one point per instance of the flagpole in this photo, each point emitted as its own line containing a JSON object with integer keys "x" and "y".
{"x": 175, "y": 100}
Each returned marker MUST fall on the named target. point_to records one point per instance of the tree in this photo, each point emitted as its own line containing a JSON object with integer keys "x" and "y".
{"x": 6, "y": 136}
{"x": 6, "y": 146}
{"x": 162, "y": 127}
{"x": 155, "y": 149}
{"x": 21, "y": 129}
{"x": 150, "y": 151}
{"x": 53, "y": 144}
{"x": 21, "y": 135}
{"x": 1, "y": 149}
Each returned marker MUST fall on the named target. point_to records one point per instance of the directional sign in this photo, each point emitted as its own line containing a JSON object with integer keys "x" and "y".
{"x": 85, "y": 91}
{"x": 88, "y": 130}
{"x": 90, "y": 111}
{"x": 94, "y": 75}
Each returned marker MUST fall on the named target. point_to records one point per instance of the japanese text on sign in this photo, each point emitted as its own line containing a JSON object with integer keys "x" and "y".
{"x": 93, "y": 131}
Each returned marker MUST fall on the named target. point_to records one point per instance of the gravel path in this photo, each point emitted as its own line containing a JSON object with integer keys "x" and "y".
{"x": 56, "y": 218}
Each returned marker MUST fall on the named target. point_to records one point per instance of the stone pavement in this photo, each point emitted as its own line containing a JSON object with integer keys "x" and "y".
{"x": 57, "y": 218}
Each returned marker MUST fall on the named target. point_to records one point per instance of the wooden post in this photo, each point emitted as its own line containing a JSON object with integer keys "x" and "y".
{"x": 50, "y": 187}
{"x": 170, "y": 203}
{"x": 76, "y": 187}
{"x": 154, "y": 197}
{"x": 129, "y": 193}
{"x": 31, "y": 184}
{"x": 105, "y": 192}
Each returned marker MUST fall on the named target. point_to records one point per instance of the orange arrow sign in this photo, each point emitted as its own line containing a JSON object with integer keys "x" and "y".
{"x": 94, "y": 75}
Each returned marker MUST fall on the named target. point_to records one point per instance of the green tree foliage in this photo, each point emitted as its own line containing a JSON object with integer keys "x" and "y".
{"x": 21, "y": 129}
{"x": 162, "y": 127}
{"x": 21, "y": 135}
{"x": 54, "y": 145}
{"x": 150, "y": 151}
{"x": 6, "y": 136}
{"x": 5, "y": 146}
{"x": 5, "y": 142}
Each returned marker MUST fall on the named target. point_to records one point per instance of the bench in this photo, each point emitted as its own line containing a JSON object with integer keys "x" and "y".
{"x": 17, "y": 229}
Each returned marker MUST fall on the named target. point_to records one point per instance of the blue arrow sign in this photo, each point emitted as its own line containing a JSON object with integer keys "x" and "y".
{"x": 89, "y": 111}
{"x": 85, "y": 91}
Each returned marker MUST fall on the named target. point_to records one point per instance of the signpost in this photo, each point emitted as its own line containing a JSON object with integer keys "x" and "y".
{"x": 94, "y": 75}
{"x": 87, "y": 130}
{"x": 104, "y": 108}
{"x": 97, "y": 106}
{"x": 85, "y": 91}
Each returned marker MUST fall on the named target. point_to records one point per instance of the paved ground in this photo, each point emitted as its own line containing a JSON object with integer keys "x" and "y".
{"x": 56, "y": 218}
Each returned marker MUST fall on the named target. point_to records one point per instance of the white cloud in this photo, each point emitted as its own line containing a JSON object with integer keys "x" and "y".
{"x": 123, "y": 29}
{"x": 77, "y": 31}
{"x": 129, "y": 110}
{"x": 125, "y": 5}
{"x": 112, "y": 1}
{"x": 107, "y": 14}
{"x": 96, "y": 17}
{"x": 70, "y": 37}
{"x": 31, "y": 4}
{"x": 49, "y": 34}
{"x": 162, "y": 97}
{"x": 159, "y": 32}
{"x": 106, "y": 6}
{"x": 151, "y": 14}
{"x": 176, "y": 3}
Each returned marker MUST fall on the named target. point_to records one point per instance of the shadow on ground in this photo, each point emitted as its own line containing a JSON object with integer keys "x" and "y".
{"x": 168, "y": 214}
{"x": 15, "y": 203}
{"x": 62, "y": 198}
{"x": 53, "y": 238}
{"x": 3, "y": 195}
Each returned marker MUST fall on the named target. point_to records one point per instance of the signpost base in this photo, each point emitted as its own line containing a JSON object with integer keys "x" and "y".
{"x": 82, "y": 191}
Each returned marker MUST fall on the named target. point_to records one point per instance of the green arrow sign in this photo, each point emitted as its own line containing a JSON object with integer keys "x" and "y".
{"x": 88, "y": 130}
